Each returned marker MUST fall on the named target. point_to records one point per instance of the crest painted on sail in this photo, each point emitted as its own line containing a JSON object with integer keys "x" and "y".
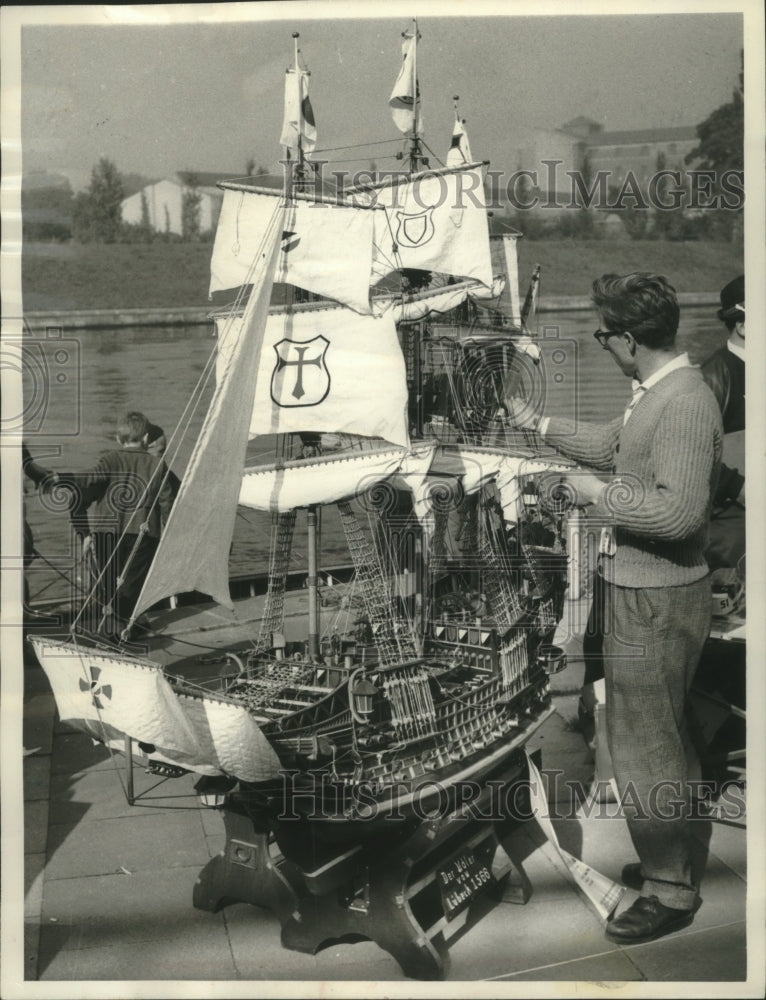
{"x": 300, "y": 376}
{"x": 415, "y": 230}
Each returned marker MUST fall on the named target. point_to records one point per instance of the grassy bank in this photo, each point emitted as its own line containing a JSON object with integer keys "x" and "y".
{"x": 114, "y": 276}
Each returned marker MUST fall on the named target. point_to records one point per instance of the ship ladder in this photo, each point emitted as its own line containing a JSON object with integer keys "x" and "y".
{"x": 502, "y": 597}
{"x": 279, "y": 562}
{"x": 391, "y": 645}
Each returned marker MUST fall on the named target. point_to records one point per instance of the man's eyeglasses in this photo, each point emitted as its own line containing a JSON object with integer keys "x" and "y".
{"x": 603, "y": 335}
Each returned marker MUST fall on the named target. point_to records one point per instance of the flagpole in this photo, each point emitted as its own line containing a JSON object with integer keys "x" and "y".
{"x": 415, "y": 156}
{"x": 300, "y": 173}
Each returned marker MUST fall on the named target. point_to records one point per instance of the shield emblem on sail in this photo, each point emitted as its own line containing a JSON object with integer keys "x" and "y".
{"x": 300, "y": 376}
{"x": 415, "y": 230}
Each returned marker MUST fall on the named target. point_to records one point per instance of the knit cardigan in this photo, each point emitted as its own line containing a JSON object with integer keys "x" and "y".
{"x": 665, "y": 460}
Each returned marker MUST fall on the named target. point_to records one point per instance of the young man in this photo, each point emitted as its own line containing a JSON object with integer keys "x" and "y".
{"x": 131, "y": 499}
{"x": 664, "y": 452}
{"x": 155, "y": 443}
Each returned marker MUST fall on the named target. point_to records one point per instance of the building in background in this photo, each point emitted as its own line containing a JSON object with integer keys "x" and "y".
{"x": 164, "y": 201}
{"x": 582, "y": 146}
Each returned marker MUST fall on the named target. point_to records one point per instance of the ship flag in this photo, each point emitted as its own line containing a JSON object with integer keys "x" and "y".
{"x": 460, "y": 149}
{"x": 405, "y": 97}
{"x": 298, "y": 127}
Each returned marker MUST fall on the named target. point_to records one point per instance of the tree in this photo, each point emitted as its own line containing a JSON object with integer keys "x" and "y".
{"x": 98, "y": 211}
{"x": 252, "y": 169}
{"x": 47, "y": 212}
{"x": 191, "y": 202}
{"x": 147, "y": 233}
{"x": 722, "y": 134}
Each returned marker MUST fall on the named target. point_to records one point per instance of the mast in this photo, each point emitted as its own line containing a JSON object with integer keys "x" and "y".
{"x": 295, "y": 180}
{"x": 416, "y": 159}
{"x": 299, "y": 180}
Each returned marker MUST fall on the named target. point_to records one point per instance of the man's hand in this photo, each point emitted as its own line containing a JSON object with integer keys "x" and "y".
{"x": 583, "y": 488}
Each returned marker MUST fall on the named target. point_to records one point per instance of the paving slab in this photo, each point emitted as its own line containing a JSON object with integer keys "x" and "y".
{"x": 212, "y": 824}
{"x": 35, "y": 826}
{"x": 600, "y": 971}
{"x": 123, "y": 911}
{"x": 105, "y": 795}
{"x": 39, "y": 712}
{"x": 171, "y": 956}
{"x": 361, "y": 960}
{"x": 37, "y": 778}
{"x": 724, "y": 896}
{"x": 714, "y": 954}
{"x": 75, "y": 752}
{"x": 143, "y": 843}
{"x": 34, "y": 868}
{"x": 728, "y": 843}
{"x": 557, "y": 924}
{"x": 254, "y": 936}
{"x": 566, "y": 760}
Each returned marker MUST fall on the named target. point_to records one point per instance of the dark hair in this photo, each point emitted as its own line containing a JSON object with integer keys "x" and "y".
{"x": 153, "y": 433}
{"x": 132, "y": 428}
{"x": 732, "y": 296}
{"x": 644, "y": 304}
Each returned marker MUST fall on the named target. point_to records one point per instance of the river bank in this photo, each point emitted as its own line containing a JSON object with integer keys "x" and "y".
{"x": 78, "y": 279}
{"x": 109, "y": 319}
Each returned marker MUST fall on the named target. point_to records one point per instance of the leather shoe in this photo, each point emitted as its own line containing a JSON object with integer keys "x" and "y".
{"x": 632, "y": 876}
{"x": 646, "y": 920}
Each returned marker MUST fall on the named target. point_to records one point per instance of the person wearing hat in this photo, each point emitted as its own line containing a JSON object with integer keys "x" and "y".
{"x": 724, "y": 372}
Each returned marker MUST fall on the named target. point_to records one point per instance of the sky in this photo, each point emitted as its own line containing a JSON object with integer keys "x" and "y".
{"x": 207, "y": 95}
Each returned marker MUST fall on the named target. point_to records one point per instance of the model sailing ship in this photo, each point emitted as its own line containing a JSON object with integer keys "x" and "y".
{"x": 433, "y": 666}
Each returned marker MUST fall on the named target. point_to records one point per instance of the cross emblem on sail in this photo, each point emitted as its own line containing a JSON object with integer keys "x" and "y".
{"x": 97, "y": 690}
{"x": 300, "y": 376}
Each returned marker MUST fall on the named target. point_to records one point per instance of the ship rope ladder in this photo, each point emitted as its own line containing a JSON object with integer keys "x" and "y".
{"x": 279, "y": 562}
{"x": 502, "y": 597}
{"x": 375, "y": 591}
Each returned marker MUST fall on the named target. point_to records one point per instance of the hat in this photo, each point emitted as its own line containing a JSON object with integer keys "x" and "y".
{"x": 732, "y": 298}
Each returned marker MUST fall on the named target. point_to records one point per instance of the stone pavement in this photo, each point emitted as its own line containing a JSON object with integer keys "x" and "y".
{"x": 109, "y": 886}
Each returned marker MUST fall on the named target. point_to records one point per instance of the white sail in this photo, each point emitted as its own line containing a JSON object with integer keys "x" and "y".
{"x": 434, "y": 221}
{"x": 205, "y": 508}
{"x": 327, "y": 479}
{"x": 325, "y": 248}
{"x": 440, "y": 300}
{"x": 330, "y": 370}
{"x": 476, "y": 467}
{"x": 110, "y": 697}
